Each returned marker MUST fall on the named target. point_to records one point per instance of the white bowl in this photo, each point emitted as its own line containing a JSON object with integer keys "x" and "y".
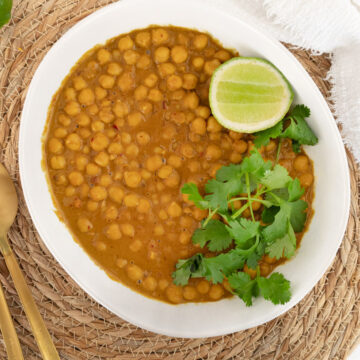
{"x": 331, "y": 203}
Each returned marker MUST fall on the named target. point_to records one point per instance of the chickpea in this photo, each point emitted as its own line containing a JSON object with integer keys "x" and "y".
{"x": 125, "y": 43}
{"x": 120, "y": 109}
{"x": 92, "y": 169}
{"x": 213, "y": 152}
{"x": 251, "y": 272}
{"x": 131, "y": 200}
{"x": 269, "y": 260}
{"x": 98, "y": 193}
{"x": 198, "y": 126}
{"x": 161, "y": 54}
{"x": 144, "y": 62}
{"x": 76, "y": 178}
{"x": 116, "y": 193}
{"x": 159, "y": 36}
{"x": 166, "y": 69}
{"x": 222, "y": 55}
{"x": 185, "y": 238}
{"x": 235, "y": 135}
{"x": 210, "y": 66}
{"x": 102, "y": 159}
{"x": 199, "y": 214}
{"x": 55, "y": 146}
{"x": 240, "y": 146}
{"x": 158, "y": 230}
{"x": 145, "y": 107}
{"x": 174, "y": 82}
{"x": 132, "y": 150}
{"x": 140, "y": 92}
{"x": 72, "y": 108}
{"x": 151, "y": 80}
{"x": 142, "y": 138}
{"x": 265, "y": 269}
{"x": 114, "y": 69}
{"x": 99, "y": 142}
{"x": 92, "y": 205}
{"x": 121, "y": 263}
{"x": 174, "y": 161}
{"x": 128, "y": 230}
{"x": 163, "y": 284}
{"x": 79, "y": 83}
{"x": 134, "y": 272}
{"x": 173, "y": 180}
{"x": 135, "y": 118}
{"x": 179, "y": 54}
{"x": 64, "y": 120}
{"x": 189, "y": 81}
{"x": 203, "y": 287}
{"x": 144, "y": 206}
{"x": 165, "y": 171}
{"x": 107, "y": 81}
{"x": 113, "y": 232}
{"x": 135, "y": 246}
{"x": 100, "y": 245}
{"x": 126, "y": 82}
{"x": 187, "y": 150}
{"x": 198, "y": 62}
{"x": 70, "y": 94}
{"x": 155, "y": 95}
{"x": 202, "y": 111}
{"x": 235, "y": 157}
{"x": 150, "y": 283}
{"x": 61, "y": 179}
{"x": 106, "y": 115}
{"x": 103, "y": 56}
{"x": 301, "y": 163}
{"x": 86, "y": 96}
{"x": 131, "y": 57}
{"x": 200, "y": 41}
{"x": 115, "y": 148}
{"x": 132, "y": 179}
{"x": 57, "y": 162}
{"x": 105, "y": 180}
{"x": 84, "y": 224}
{"x": 191, "y": 101}
{"x": 92, "y": 109}
{"x": 174, "y": 209}
{"x": 162, "y": 214}
{"x": 153, "y": 163}
{"x": 143, "y": 39}
{"x": 216, "y": 292}
{"x": 111, "y": 213}
{"x": 186, "y": 221}
{"x": 174, "y": 294}
{"x": 83, "y": 120}
{"x": 271, "y": 146}
{"x": 73, "y": 142}
{"x": 194, "y": 166}
{"x": 70, "y": 191}
{"x": 178, "y": 117}
{"x": 306, "y": 179}
{"x": 60, "y": 133}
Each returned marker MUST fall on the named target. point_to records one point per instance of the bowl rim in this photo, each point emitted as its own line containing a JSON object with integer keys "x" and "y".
{"x": 39, "y": 225}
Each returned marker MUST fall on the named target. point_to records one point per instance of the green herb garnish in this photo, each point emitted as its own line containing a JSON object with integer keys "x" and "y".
{"x": 293, "y": 126}
{"x": 5, "y": 11}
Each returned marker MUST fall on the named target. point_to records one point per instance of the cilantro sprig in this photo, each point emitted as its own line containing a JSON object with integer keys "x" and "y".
{"x": 293, "y": 126}
{"x": 246, "y": 240}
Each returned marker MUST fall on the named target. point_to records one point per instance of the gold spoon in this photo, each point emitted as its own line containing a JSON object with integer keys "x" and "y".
{"x": 8, "y": 210}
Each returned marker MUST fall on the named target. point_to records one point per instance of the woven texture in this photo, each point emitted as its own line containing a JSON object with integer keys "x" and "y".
{"x": 324, "y": 325}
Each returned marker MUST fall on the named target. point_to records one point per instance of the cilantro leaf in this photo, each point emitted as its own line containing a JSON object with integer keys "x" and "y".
{"x": 226, "y": 173}
{"x": 297, "y": 214}
{"x": 186, "y": 268}
{"x": 285, "y": 246}
{"x": 243, "y": 230}
{"x": 219, "y": 193}
{"x": 254, "y": 257}
{"x": 5, "y": 11}
{"x": 278, "y": 228}
{"x": 192, "y": 190}
{"x": 214, "y": 234}
{"x": 276, "y": 178}
{"x": 268, "y": 215}
{"x": 298, "y": 130}
{"x": 262, "y": 138}
{"x": 243, "y": 286}
{"x": 275, "y": 288}
{"x": 295, "y": 190}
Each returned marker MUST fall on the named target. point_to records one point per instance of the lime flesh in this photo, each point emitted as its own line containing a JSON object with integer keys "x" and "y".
{"x": 249, "y": 94}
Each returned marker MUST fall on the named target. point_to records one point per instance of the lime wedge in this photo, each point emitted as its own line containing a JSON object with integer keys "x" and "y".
{"x": 249, "y": 94}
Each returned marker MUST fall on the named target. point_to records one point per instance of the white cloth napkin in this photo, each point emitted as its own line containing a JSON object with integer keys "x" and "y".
{"x": 320, "y": 26}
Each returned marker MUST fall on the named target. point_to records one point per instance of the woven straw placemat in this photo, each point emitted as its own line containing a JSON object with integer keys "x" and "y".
{"x": 324, "y": 325}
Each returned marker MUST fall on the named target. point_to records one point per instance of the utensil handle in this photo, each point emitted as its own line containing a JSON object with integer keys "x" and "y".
{"x": 42, "y": 336}
{"x": 11, "y": 339}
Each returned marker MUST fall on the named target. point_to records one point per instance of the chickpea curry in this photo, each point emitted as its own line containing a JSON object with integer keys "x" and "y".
{"x": 129, "y": 126}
